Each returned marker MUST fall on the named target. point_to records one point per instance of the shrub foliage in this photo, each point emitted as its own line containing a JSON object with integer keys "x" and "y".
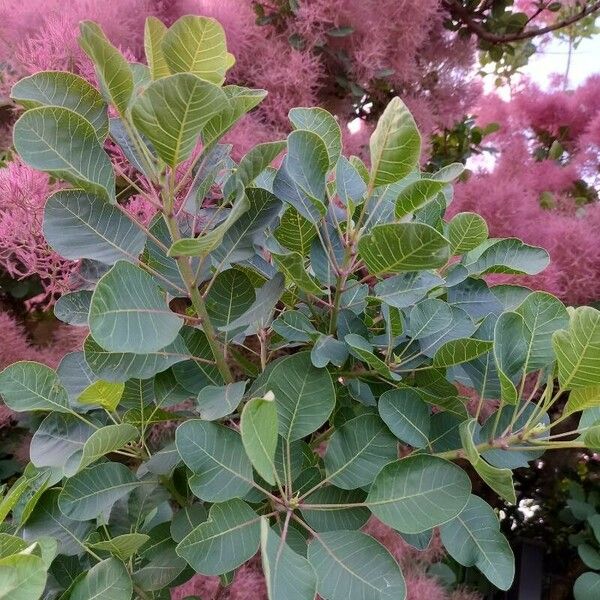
{"x": 302, "y": 326}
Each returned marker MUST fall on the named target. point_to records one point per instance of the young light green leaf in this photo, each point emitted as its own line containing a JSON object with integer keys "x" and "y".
{"x": 396, "y": 247}
{"x": 122, "y": 546}
{"x": 357, "y": 451}
{"x": 287, "y": 574}
{"x": 197, "y": 45}
{"x": 406, "y": 415}
{"x": 172, "y": 112}
{"x": 351, "y": 565}
{"x": 61, "y": 142}
{"x": 229, "y": 538}
{"x": 258, "y": 428}
{"x": 102, "y": 393}
{"x": 129, "y": 313}
{"x": 114, "y": 73}
{"x": 82, "y": 225}
{"x": 395, "y": 145}
{"x": 94, "y": 490}
{"x": 54, "y": 88}
{"x": 582, "y": 399}
{"x": 216, "y": 456}
{"x": 106, "y": 579}
{"x": 578, "y": 349}
{"x": 363, "y": 350}
{"x": 31, "y": 386}
{"x": 154, "y": 33}
{"x": 466, "y": 231}
{"x": 304, "y": 395}
{"x": 419, "y": 492}
{"x": 321, "y": 122}
{"x": 22, "y": 576}
{"x": 473, "y": 538}
{"x": 455, "y": 352}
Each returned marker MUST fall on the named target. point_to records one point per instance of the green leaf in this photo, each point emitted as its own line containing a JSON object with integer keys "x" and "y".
{"x": 258, "y": 428}
{"x": 206, "y": 243}
{"x": 335, "y": 519}
{"x": 350, "y": 185}
{"x": 253, "y": 163}
{"x": 30, "y": 386}
{"x": 466, "y": 231}
{"x": 396, "y": 247}
{"x": 357, "y": 451}
{"x": 186, "y": 519}
{"x": 53, "y": 88}
{"x": 543, "y": 314}
{"x": 73, "y": 308}
{"x": 406, "y": 415}
{"x": 22, "y": 576}
{"x": 416, "y": 195}
{"x": 122, "y": 546}
{"x": 197, "y": 45}
{"x": 106, "y": 579}
{"x": 241, "y": 100}
{"x": 304, "y": 395}
{"x": 287, "y": 574}
{"x": 589, "y": 555}
{"x": 500, "y": 480}
{"x": 294, "y": 326}
{"x": 103, "y": 441}
{"x": 292, "y": 266}
{"x": 510, "y": 352}
{"x": 58, "y": 440}
{"x": 228, "y": 539}
{"x": 102, "y": 393}
{"x": 300, "y": 180}
{"x": 455, "y": 352}
{"x": 61, "y": 142}
{"x": 172, "y": 112}
{"x": 295, "y": 232}
{"x": 473, "y": 538}
{"x": 402, "y": 291}
{"x": 216, "y": 456}
{"x": 351, "y": 565}
{"x": 328, "y": 350}
{"x": 587, "y": 586}
{"x": 578, "y": 349}
{"x": 582, "y": 399}
{"x": 114, "y": 73}
{"x": 364, "y": 350}
{"x": 128, "y": 312}
{"x": 121, "y": 366}
{"x": 319, "y": 121}
{"x": 81, "y": 225}
{"x": 216, "y": 402}
{"x": 48, "y": 520}
{"x": 94, "y": 490}
{"x": 395, "y": 145}
{"x": 154, "y": 33}
{"x": 509, "y": 256}
{"x": 419, "y": 492}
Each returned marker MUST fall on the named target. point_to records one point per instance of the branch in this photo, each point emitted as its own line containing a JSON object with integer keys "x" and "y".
{"x": 460, "y": 13}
